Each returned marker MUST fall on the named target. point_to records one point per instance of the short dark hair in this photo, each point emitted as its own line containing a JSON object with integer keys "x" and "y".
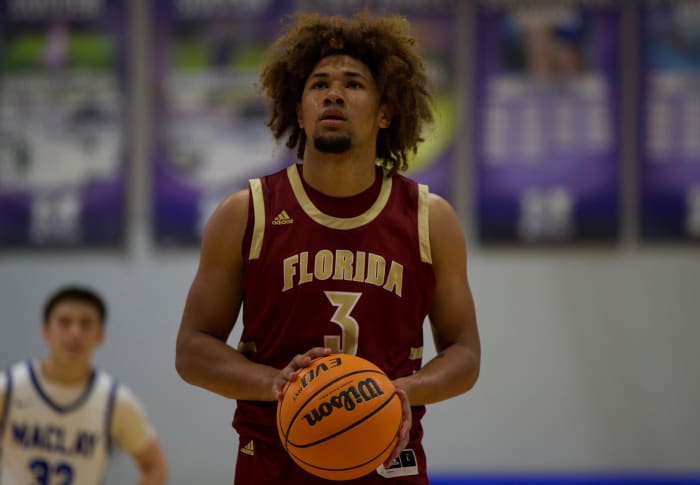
{"x": 76, "y": 293}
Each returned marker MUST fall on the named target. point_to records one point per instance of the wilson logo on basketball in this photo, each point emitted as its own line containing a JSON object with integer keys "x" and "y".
{"x": 340, "y": 418}
{"x": 365, "y": 391}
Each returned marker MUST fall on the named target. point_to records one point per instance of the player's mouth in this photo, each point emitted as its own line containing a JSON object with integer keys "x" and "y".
{"x": 73, "y": 348}
{"x": 332, "y": 117}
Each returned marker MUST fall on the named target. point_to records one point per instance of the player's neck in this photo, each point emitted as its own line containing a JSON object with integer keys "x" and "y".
{"x": 338, "y": 175}
{"x": 65, "y": 373}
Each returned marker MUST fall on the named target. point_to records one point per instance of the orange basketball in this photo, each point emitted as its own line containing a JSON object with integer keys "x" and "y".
{"x": 340, "y": 418}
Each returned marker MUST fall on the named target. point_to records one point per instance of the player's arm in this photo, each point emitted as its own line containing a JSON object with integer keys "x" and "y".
{"x": 152, "y": 465}
{"x": 203, "y": 358}
{"x": 3, "y": 393}
{"x": 134, "y": 434}
{"x": 455, "y": 368}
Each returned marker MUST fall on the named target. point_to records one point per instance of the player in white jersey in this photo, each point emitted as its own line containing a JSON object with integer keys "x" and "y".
{"x": 59, "y": 417}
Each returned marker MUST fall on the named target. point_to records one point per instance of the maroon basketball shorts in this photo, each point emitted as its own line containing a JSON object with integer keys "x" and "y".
{"x": 261, "y": 464}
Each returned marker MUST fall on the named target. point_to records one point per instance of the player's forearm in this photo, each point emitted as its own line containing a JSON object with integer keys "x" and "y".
{"x": 152, "y": 465}
{"x": 207, "y": 362}
{"x": 452, "y": 372}
{"x": 155, "y": 475}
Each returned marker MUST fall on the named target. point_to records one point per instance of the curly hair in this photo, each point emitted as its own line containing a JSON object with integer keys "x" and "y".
{"x": 384, "y": 45}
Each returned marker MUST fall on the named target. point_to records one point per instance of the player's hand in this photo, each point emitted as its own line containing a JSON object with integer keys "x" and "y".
{"x": 406, "y": 421}
{"x": 291, "y": 371}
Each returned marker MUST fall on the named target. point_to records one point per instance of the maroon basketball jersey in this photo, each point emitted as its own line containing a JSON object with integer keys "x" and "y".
{"x": 353, "y": 274}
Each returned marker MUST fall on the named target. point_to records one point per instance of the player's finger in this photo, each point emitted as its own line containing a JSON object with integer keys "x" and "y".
{"x": 303, "y": 360}
{"x": 404, "y": 429}
{"x": 291, "y": 371}
{"x": 317, "y": 352}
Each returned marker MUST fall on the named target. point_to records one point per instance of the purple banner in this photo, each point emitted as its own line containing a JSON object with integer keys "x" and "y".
{"x": 547, "y": 129}
{"x": 62, "y": 112}
{"x": 670, "y": 122}
{"x": 210, "y": 122}
{"x": 434, "y": 25}
{"x": 211, "y": 133}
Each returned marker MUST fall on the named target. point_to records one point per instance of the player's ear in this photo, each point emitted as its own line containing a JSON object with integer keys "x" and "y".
{"x": 102, "y": 336}
{"x": 384, "y": 116}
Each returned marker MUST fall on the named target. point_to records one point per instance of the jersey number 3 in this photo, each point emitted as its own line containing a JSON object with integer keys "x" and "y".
{"x": 346, "y": 342}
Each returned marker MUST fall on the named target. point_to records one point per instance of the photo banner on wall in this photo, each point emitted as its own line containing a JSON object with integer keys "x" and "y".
{"x": 547, "y": 131}
{"x": 210, "y": 123}
{"x": 434, "y": 26}
{"x": 670, "y": 121}
{"x": 62, "y": 112}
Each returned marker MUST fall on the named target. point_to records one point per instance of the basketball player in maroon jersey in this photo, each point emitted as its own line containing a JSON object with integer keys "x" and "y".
{"x": 339, "y": 253}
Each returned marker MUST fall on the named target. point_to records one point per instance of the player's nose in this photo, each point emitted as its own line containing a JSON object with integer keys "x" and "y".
{"x": 334, "y": 96}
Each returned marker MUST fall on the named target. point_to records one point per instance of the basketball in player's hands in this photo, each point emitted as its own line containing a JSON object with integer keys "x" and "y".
{"x": 340, "y": 418}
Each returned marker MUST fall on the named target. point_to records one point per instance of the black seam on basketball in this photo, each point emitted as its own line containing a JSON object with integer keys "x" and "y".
{"x": 296, "y": 415}
{"x": 341, "y": 431}
{"x": 311, "y": 465}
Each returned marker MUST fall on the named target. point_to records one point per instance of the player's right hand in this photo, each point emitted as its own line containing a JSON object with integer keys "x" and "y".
{"x": 291, "y": 371}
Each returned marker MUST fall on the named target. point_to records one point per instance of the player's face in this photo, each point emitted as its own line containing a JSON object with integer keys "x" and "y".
{"x": 73, "y": 331}
{"x": 339, "y": 107}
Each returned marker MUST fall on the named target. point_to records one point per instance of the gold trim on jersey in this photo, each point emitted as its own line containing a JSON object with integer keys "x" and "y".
{"x": 424, "y": 224}
{"x": 259, "y": 216}
{"x": 247, "y": 347}
{"x": 337, "y": 222}
{"x": 415, "y": 353}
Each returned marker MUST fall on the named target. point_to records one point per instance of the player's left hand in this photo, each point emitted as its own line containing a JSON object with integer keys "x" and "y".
{"x": 406, "y": 421}
{"x": 291, "y": 371}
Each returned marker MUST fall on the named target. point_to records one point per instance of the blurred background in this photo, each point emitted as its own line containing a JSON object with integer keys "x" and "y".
{"x": 567, "y": 137}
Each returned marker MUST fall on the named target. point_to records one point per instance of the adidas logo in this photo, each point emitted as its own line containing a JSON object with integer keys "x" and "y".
{"x": 248, "y": 449}
{"x": 282, "y": 218}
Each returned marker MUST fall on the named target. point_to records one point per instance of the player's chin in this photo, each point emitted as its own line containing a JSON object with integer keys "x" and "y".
{"x": 76, "y": 355}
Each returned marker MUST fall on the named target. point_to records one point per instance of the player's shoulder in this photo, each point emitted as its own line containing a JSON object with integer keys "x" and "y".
{"x": 440, "y": 206}
{"x": 446, "y": 232}
{"x": 235, "y": 202}
{"x": 124, "y": 395}
{"x": 15, "y": 370}
{"x": 104, "y": 382}
{"x": 228, "y": 220}
{"x": 5, "y": 374}
{"x": 121, "y": 393}
{"x": 15, "y": 366}
{"x": 3, "y": 380}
